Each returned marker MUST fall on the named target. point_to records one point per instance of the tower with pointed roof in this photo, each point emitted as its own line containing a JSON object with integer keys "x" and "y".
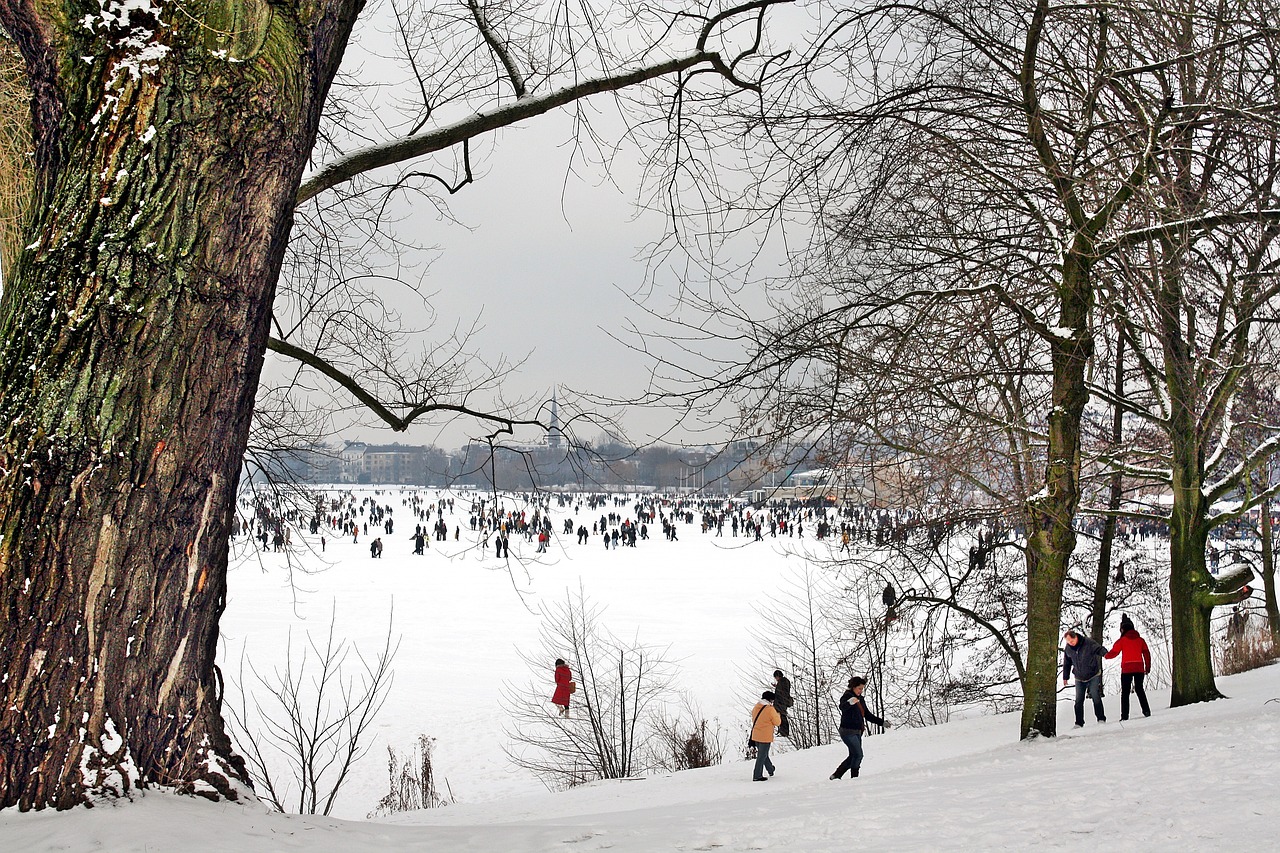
{"x": 555, "y": 438}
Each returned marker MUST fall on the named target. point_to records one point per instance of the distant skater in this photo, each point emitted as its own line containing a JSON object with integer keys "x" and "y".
{"x": 854, "y": 714}
{"x": 1135, "y": 663}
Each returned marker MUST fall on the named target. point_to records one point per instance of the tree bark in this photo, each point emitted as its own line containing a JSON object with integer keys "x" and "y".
{"x": 1051, "y": 540}
{"x": 132, "y": 333}
{"x": 1192, "y": 644}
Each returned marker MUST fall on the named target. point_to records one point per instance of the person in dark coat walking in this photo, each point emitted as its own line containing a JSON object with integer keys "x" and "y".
{"x": 1135, "y": 663}
{"x": 782, "y": 701}
{"x": 564, "y": 686}
{"x": 1083, "y": 657}
{"x": 854, "y": 714}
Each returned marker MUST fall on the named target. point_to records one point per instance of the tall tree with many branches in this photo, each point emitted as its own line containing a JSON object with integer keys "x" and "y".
{"x": 998, "y": 151}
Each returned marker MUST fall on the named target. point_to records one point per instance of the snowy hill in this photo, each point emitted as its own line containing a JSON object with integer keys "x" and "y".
{"x": 1197, "y": 778}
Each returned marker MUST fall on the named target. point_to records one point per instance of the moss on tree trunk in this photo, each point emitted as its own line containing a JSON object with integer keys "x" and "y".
{"x": 132, "y": 333}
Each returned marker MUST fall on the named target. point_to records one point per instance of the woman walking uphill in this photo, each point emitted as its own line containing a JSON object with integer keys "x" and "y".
{"x": 854, "y": 714}
{"x": 1135, "y": 663}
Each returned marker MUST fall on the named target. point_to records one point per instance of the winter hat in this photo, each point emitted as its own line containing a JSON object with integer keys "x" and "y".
{"x": 767, "y": 696}
{"x": 1125, "y": 623}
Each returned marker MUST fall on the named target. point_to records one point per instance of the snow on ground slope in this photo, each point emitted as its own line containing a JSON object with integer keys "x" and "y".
{"x": 1198, "y": 778}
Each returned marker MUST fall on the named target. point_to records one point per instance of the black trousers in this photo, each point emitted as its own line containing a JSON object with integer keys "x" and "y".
{"x": 1132, "y": 680}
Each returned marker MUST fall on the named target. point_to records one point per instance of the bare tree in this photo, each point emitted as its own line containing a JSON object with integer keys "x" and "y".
{"x": 623, "y": 689}
{"x": 1003, "y": 153}
{"x": 302, "y": 727}
{"x": 799, "y": 638}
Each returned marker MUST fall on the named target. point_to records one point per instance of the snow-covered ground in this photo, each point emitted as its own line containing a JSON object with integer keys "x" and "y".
{"x": 1200, "y": 776}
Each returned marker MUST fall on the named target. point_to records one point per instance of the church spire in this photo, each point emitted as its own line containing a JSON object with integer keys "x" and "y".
{"x": 555, "y": 438}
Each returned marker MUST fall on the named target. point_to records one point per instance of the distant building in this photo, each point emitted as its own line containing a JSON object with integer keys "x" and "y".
{"x": 382, "y": 463}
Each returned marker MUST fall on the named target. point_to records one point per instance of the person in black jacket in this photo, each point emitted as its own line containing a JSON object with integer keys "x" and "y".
{"x": 1083, "y": 656}
{"x": 782, "y": 690}
{"x": 854, "y": 714}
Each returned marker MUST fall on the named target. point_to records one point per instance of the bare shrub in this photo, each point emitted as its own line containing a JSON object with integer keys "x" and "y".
{"x": 412, "y": 781}
{"x": 687, "y": 741}
{"x": 303, "y": 726}
{"x": 1245, "y": 650}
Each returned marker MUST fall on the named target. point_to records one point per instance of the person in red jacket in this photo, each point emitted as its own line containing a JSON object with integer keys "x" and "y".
{"x": 1135, "y": 663}
{"x": 563, "y": 687}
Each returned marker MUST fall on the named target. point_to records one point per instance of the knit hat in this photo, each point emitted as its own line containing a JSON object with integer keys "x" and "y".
{"x": 1125, "y": 623}
{"x": 767, "y": 696}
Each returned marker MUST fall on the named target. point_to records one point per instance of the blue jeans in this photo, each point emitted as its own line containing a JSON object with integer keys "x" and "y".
{"x": 853, "y": 742}
{"x": 762, "y": 760}
{"x": 1093, "y": 687}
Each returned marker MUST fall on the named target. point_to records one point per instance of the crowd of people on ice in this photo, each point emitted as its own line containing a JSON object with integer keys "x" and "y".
{"x": 623, "y": 521}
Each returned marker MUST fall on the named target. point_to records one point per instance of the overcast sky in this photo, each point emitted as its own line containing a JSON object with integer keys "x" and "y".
{"x": 546, "y": 257}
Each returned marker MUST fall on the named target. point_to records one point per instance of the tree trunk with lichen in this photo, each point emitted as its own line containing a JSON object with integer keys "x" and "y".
{"x": 168, "y": 151}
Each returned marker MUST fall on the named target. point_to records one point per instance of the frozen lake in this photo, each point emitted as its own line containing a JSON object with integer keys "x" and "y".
{"x": 463, "y": 617}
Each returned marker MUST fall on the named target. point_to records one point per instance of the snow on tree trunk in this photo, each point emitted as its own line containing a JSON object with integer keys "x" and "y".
{"x": 169, "y": 147}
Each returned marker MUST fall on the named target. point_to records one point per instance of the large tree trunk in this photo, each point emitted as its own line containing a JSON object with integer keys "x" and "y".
{"x": 132, "y": 333}
{"x": 1052, "y": 539}
{"x": 1192, "y": 647}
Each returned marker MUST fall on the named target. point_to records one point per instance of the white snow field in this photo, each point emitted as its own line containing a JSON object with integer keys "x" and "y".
{"x": 1201, "y": 778}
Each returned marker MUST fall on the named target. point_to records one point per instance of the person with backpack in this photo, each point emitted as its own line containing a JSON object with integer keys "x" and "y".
{"x": 764, "y": 719}
{"x": 854, "y": 715}
{"x": 783, "y": 701}
{"x": 1135, "y": 663}
{"x": 1083, "y": 656}
{"x": 564, "y": 687}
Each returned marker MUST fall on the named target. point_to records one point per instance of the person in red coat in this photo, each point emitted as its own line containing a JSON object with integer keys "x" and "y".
{"x": 1135, "y": 663}
{"x": 563, "y": 682}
